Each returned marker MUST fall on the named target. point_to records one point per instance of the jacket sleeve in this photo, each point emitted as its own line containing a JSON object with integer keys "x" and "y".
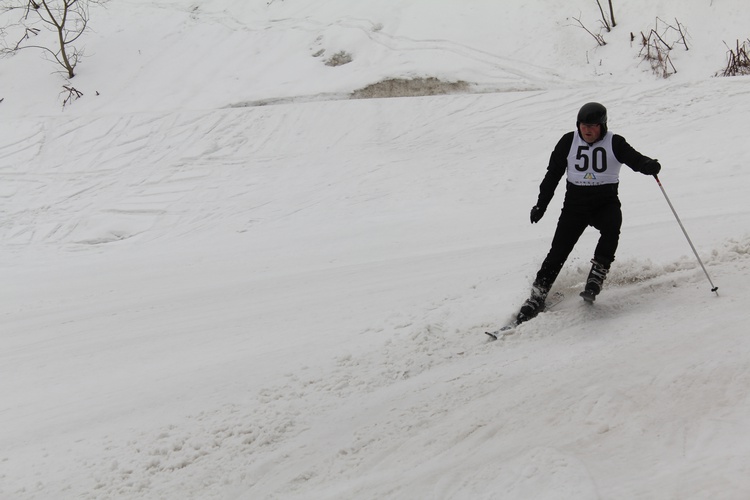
{"x": 626, "y": 154}
{"x": 558, "y": 164}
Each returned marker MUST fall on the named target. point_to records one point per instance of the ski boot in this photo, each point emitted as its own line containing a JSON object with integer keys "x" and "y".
{"x": 534, "y": 304}
{"x": 594, "y": 282}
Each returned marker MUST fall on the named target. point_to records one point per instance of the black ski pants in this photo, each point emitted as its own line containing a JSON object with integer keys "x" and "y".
{"x": 584, "y": 206}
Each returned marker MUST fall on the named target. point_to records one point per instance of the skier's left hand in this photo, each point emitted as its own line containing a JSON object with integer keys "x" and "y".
{"x": 651, "y": 167}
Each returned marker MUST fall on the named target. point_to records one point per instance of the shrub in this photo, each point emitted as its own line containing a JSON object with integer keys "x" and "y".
{"x": 738, "y": 62}
{"x": 655, "y": 47}
{"x": 339, "y": 59}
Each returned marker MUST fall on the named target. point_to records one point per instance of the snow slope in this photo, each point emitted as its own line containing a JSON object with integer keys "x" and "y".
{"x": 209, "y": 298}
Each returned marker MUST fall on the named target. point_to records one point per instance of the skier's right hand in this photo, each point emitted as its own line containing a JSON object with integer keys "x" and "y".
{"x": 536, "y": 214}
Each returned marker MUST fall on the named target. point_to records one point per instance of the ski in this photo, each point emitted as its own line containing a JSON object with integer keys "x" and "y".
{"x": 551, "y": 302}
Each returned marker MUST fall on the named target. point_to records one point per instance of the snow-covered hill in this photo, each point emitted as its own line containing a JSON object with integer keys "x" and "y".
{"x": 205, "y": 297}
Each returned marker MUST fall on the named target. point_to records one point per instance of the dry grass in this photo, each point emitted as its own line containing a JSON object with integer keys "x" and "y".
{"x": 399, "y": 87}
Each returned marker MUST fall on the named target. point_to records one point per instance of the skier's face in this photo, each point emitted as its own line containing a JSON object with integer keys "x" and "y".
{"x": 591, "y": 132}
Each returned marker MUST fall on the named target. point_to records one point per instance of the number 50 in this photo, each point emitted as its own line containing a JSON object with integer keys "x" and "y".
{"x": 597, "y": 157}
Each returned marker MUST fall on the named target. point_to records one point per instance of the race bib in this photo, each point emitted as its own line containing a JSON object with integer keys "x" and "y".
{"x": 593, "y": 164}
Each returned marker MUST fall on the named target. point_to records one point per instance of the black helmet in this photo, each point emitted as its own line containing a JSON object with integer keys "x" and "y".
{"x": 593, "y": 112}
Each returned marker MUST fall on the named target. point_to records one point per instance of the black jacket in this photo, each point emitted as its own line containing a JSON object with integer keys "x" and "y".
{"x": 558, "y": 165}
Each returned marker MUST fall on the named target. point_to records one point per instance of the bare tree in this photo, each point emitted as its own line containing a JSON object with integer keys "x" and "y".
{"x": 52, "y": 26}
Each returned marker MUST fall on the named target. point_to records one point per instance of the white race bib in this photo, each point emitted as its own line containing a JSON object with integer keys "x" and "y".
{"x": 593, "y": 164}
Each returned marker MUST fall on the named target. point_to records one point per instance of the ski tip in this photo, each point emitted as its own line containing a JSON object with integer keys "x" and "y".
{"x": 502, "y": 332}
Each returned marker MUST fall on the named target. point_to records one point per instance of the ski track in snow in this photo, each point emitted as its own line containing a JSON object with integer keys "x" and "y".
{"x": 342, "y": 419}
{"x": 254, "y": 445}
{"x": 287, "y": 438}
{"x": 117, "y": 176}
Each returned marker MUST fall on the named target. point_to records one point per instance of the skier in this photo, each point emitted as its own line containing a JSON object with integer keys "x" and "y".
{"x": 591, "y": 156}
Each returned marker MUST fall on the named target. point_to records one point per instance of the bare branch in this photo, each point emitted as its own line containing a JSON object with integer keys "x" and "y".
{"x": 612, "y": 14}
{"x": 682, "y": 34}
{"x": 604, "y": 18}
{"x": 598, "y": 37}
{"x": 27, "y": 36}
{"x": 657, "y": 54}
{"x": 73, "y": 94}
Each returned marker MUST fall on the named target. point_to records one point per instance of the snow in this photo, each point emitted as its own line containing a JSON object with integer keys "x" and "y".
{"x": 205, "y": 298}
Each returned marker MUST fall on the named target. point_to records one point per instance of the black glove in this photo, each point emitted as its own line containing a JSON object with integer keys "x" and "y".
{"x": 536, "y": 214}
{"x": 650, "y": 167}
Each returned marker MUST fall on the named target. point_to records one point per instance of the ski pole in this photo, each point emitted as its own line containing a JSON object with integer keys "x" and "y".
{"x": 713, "y": 288}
